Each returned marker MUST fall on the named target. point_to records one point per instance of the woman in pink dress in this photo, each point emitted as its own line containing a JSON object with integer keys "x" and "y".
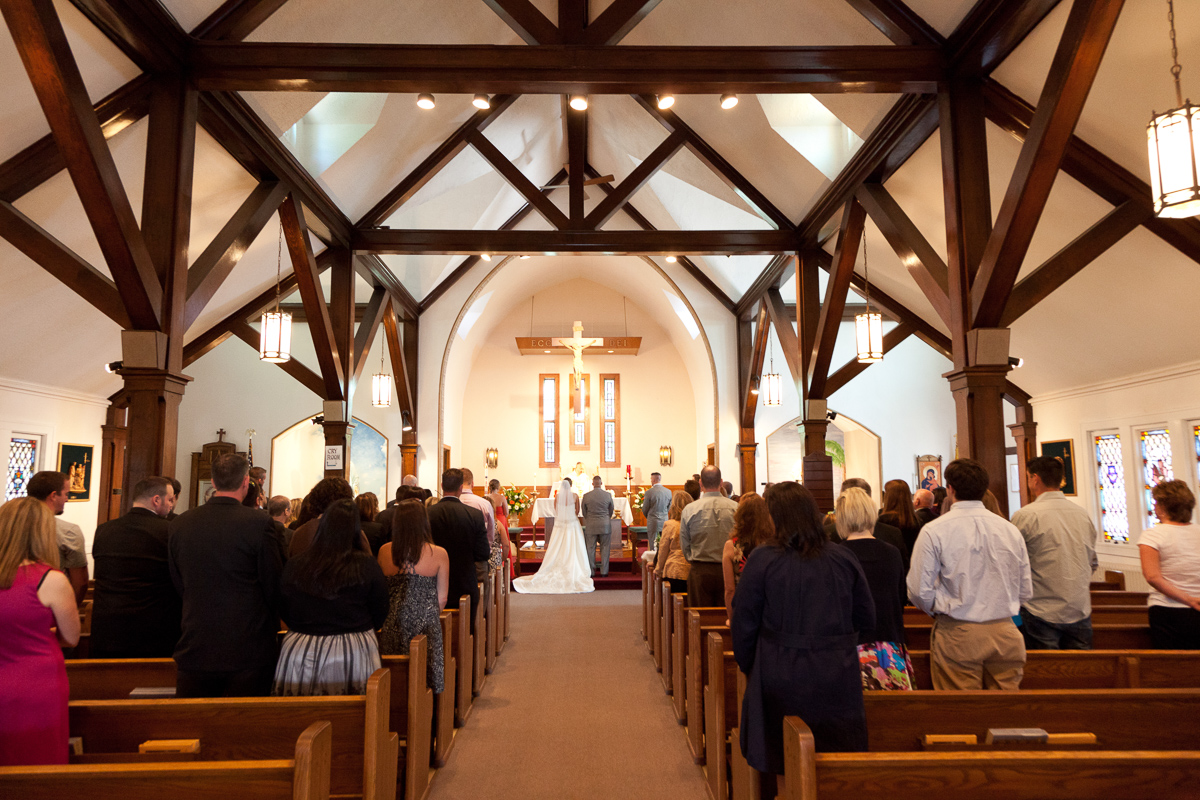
{"x": 35, "y": 598}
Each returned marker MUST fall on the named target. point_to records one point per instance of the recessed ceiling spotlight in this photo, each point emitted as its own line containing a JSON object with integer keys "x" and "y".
{"x": 579, "y": 102}
{"x": 671, "y": 259}
{"x": 545, "y": 351}
{"x": 665, "y": 101}
{"x": 425, "y": 100}
{"x": 481, "y": 102}
{"x": 524, "y": 257}
{"x": 728, "y": 100}
{"x": 486, "y": 256}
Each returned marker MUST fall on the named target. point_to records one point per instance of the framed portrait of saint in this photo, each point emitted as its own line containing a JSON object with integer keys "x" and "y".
{"x": 1064, "y": 450}
{"x": 76, "y": 461}
{"x": 929, "y": 472}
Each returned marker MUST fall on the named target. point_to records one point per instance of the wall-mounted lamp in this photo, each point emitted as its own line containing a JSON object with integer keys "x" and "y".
{"x": 665, "y": 456}
{"x": 491, "y": 457}
{"x": 114, "y": 367}
{"x": 405, "y": 421}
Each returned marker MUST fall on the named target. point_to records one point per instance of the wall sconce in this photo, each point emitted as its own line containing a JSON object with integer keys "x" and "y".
{"x": 492, "y": 457}
{"x": 665, "y": 456}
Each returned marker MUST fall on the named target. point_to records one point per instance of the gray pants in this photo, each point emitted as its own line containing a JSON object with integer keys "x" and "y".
{"x": 591, "y": 539}
{"x": 654, "y": 526}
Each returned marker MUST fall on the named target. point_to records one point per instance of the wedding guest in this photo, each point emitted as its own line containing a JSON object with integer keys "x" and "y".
{"x": 325, "y": 493}
{"x": 797, "y": 614}
{"x": 54, "y": 489}
{"x": 177, "y": 487}
{"x": 1170, "y": 553}
{"x": 992, "y": 504}
{"x": 459, "y": 529}
{"x": 334, "y": 598}
{"x": 35, "y": 598}
{"x": 897, "y": 511}
{"x": 923, "y": 506}
{"x": 882, "y": 656}
{"x": 294, "y": 516}
{"x": 703, "y": 530}
{"x": 939, "y": 501}
{"x": 418, "y": 575}
{"x": 883, "y": 531}
{"x": 279, "y": 509}
{"x": 483, "y": 569}
{"x": 499, "y": 501}
{"x": 368, "y": 509}
{"x": 669, "y": 563}
{"x": 253, "y": 497}
{"x": 752, "y": 527}
{"x": 692, "y": 487}
{"x": 655, "y": 503}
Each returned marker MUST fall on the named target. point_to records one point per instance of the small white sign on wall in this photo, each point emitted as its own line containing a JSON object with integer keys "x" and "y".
{"x": 333, "y": 456}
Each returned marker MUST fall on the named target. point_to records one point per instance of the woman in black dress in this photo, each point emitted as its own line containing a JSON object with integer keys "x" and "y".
{"x": 797, "y": 614}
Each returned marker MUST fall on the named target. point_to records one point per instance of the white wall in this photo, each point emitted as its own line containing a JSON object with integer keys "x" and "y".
{"x": 56, "y": 415}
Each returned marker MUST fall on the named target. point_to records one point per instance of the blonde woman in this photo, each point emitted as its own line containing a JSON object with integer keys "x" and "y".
{"x": 882, "y": 656}
{"x": 670, "y": 563}
{"x": 37, "y": 616}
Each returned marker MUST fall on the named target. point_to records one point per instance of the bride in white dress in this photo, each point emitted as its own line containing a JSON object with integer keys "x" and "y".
{"x": 565, "y": 568}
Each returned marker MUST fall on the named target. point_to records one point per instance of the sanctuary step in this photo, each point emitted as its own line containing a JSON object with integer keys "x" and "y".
{"x": 619, "y": 574}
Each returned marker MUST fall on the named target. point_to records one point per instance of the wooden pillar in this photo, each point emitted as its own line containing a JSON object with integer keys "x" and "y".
{"x": 747, "y": 451}
{"x": 153, "y": 433}
{"x": 408, "y": 455}
{"x": 1025, "y": 434}
{"x": 114, "y": 436}
{"x": 817, "y": 466}
{"x": 979, "y": 407}
{"x": 338, "y": 433}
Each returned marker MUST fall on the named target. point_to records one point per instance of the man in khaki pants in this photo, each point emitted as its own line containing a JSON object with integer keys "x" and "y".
{"x": 970, "y": 572}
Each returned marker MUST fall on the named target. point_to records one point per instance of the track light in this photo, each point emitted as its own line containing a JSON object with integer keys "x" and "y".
{"x": 524, "y": 258}
{"x": 481, "y": 102}
{"x": 665, "y": 101}
{"x": 729, "y": 100}
{"x": 671, "y": 259}
{"x": 579, "y": 102}
{"x": 1016, "y": 363}
{"x": 425, "y": 100}
{"x": 113, "y": 367}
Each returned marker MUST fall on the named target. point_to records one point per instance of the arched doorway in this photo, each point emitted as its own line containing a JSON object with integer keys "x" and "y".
{"x": 856, "y": 451}
{"x": 297, "y": 459}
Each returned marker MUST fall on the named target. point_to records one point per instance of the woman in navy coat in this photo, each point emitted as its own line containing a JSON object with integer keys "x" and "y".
{"x": 796, "y": 617}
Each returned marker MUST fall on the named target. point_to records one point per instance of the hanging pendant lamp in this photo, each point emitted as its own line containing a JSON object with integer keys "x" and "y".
{"x": 275, "y": 336}
{"x": 1173, "y": 138}
{"x": 381, "y": 386}
{"x": 772, "y": 383}
{"x": 868, "y": 326}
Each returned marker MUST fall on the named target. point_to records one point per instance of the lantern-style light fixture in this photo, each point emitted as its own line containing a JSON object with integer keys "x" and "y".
{"x": 868, "y": 326}
{"x": 1173, "y": 138}
{"x": 275, "y": 336}
{"x": 773, "y": 384}
{"x": 381, "y": 386}
{"x": 666, "y": 456}
{"x": 491, "y": 457}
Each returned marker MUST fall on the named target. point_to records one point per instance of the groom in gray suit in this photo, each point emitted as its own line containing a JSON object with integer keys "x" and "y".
{"x": 655, "y": 504}
{"x": 597, "y": 525}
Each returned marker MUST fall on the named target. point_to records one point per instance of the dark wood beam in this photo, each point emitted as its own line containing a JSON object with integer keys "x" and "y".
{"x": 917, "y": 256}
{"x": 307, "y": 378}
{"x": 520, "y": 69}
{"x": 376, "y": 273}
{"x": 295, "y": 233}
{"x": 753, "y": 367}
{"x": 850, "y": 311}
{"x": 991, "y": 31}
{"x": 1080, "y": 51}
{"x": 465, "y": 267}
{"x": 299, "y": 315}
{"x": 640, "y": 176}
{"x": 576, "y": 123}
{"x": 572, "y": 19}
{"x": 410, "y": 342}
{"x": 405, "y": 396}
{"x": 341, "y": 319}
{"x": 1096, "y": 171}
{"x": 223, "y": 253}
{"x": 434, "y": 162}
{"x": 234, "y": 20}
{"x": 808, "y": 307}
{"x": 63, "y": 263}
{"x": 616, "y": 21}
{"x": 516, "y": 179}
{"x": 150, "y": 38}
{"x": 530, "y": 242}
{"x": 1070, "y": 261}
{"x": 717, "y": 163}
{"x": 368, "y": 326}
{"x": 849, "y": 237}
{"x": 789, "y": 341}
{"x": 526, "y": 21}
{"x": 898, "y": 22}
{"x": 50, "y": 64}
{"x": 853, "y": 368}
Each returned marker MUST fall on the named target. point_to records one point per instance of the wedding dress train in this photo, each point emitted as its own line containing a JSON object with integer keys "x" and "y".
{"x": 565, "y": 569}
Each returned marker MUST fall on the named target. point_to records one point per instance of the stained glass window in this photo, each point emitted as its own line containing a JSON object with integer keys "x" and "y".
{"x": 548, "y": 410}
{"x": 1156, "y": 467}
{"x": 610, "y": 420}
{"x": 1110, "y": 473}
{"x": 22, "y": 463}
{"x": 581, "y": 413}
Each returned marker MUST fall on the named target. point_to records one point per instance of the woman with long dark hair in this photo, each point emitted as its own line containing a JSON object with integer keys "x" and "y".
{"x": 800, "y": 605}
{"x": 324, "y": 493}
{"x": 752, "y": 526}
{"x": 418, "y": 575}
{"x": 897, "y": 511}
{"x": 334, "y": 598}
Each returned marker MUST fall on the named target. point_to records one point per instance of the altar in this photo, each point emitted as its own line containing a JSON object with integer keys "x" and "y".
{"x": 543, "y": 508}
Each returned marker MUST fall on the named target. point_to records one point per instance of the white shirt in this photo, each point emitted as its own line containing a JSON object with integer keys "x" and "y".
{"x": 1178, "y": 549}
{"x": 1061, "y": 542}
{"x": 485, "y": 506}
{"x": 971, "y": 565}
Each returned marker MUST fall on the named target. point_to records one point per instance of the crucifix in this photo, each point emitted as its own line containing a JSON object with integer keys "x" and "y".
{"x": 577, "y": 344}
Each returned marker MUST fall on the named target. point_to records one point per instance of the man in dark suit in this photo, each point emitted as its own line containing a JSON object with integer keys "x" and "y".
{"x": 923, "y": 507}
{"x": 136, "y": 611}
{"x": 597, "y": 510}
{"x": 883, "y": 532}
{"x": 461, "y": 530}
{"x": 226, "y": 561}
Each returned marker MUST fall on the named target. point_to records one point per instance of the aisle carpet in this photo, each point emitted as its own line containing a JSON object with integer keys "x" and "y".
{"x": 574, "y": 710}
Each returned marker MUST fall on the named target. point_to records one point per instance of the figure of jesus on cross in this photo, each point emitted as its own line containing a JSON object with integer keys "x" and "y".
{"x": 577, "y": 344}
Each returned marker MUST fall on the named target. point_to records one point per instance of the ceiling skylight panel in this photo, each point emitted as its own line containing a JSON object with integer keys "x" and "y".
{"x": 812, "y": 130}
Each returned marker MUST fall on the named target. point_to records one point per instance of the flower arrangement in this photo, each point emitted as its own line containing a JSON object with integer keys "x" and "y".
{"x": 636, "y": 499}
{"x": 518, "y": 502}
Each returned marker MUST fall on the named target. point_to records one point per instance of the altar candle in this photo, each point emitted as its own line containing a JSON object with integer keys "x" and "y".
{"x": 629, "y": 470}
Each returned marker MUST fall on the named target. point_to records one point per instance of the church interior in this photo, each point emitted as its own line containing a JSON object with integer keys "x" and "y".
{"x": 438, "y": 193}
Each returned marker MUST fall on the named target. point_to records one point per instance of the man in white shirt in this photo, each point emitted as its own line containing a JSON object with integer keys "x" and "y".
{"x": 1061, "y": 542}
{"x": 970, "y": 572}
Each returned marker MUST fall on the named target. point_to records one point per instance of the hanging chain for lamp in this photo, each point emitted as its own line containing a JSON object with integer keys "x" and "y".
{"x": 868, "y": 326}
{"x": 275, "y": 336}
{"x": 1173, "y": 140}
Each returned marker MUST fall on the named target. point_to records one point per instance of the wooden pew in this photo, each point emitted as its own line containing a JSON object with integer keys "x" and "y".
{"x": 115, "y": 678}
{"x": 501, "y": 607}
{"x": 479, "y": 672}
{"x": 1119, "y": 598}
{"x": 443, "y": 702}
{"x": 411, "y": 714}
{"x": 646, "y": 575}
{"x": 655, "y": 637}
{"x": 305, "y": 776}
{"x": 463, "y": 646}
{"x": 700, "y": 622}
{"x": 664, "y": 637}
{"x": 364, "y": 753}
{"x": 1095, "y": 669}
{"x": 1101, "y": 615}
{"x": 678, "y": 646}
{"x": 745, "y": 781}
{"x": 507, "y": 594}
{"x": 493, "y": 624}
{"x": 1104, "y": 637}
{"x": 1013, "y": 775}
{"x": 720, "y": 713}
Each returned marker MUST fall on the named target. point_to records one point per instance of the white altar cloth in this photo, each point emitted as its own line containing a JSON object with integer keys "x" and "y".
{"x": 544, "y": 507}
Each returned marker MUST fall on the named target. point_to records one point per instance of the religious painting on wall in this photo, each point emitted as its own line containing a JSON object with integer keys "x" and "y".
{"x": 1064, "y": 451}
{"x": 76, "y": 461}
{"x": 929, "y": 472}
